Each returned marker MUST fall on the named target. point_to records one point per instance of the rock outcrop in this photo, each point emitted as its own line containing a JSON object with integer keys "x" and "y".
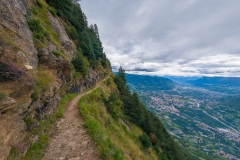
{"x": 20, "y": 99}
{"x": 15, "y": 36}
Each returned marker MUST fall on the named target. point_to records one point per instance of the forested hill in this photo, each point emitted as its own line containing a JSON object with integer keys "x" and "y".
{"x": 149, "y": 123}
{"x": 143, "y": 82}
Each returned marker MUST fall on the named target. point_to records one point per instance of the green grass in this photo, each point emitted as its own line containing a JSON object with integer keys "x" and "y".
{"x": 107, "y": 149}
{"x": 52, "y": 11}
{"x": 113, "y": 139}
{"x": 14, "y": 154}
{"x": 77, "y": 75}
{"x": 40, "y": 13}
{"x": 43, "y": 17}
{"x": 95, "y": 127}
{"x": 57, "y": 53}
{"x": 40, "y": 3}
{"x": 30, "y": 121}
{"x": 63, "y": 102}
{"x": 39, "y": 32}
{"x": 34, "y": 10}
{"x": 43, "y": 78}
{"x": 36, "y": 150}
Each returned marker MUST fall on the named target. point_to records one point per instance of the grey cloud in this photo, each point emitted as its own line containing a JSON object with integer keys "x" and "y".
{"x": 182, "y": 37}
{"x": 143, "y": 70}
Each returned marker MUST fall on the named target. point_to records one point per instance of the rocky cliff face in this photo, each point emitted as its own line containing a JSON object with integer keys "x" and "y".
{"x": 37, "y": 92}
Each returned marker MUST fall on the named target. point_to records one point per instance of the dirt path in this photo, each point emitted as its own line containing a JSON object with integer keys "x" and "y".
{"x": 71, "y": 141}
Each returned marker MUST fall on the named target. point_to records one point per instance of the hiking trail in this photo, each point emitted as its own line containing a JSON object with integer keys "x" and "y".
{"x": 71, "y": 141}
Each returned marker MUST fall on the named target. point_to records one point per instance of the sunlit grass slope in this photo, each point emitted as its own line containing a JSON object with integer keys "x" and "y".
{"x": 115, "y": 138}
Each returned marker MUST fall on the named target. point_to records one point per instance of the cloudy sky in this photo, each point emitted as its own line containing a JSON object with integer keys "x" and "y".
{"x": 169, "y": 37}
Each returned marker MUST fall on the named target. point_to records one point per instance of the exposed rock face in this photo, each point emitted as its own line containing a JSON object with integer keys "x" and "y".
{"x": 58, "y": 27}
{"x": 82, "y": 84}
{"x": 14, "y": 31}
{"x": 17, "y": 45}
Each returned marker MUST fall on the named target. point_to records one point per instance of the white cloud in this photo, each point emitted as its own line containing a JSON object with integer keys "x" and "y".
{"x": 185, "y": 37}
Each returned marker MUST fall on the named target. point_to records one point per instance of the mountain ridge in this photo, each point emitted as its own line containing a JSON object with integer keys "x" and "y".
{"x": 152, "y": 82}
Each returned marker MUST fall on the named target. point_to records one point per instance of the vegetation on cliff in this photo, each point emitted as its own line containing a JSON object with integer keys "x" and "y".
{"x": 105, "y": 121}
{"x": 123, "y": 128}
{"x": 137, "y": 113}
{"x": 45, "y": 52}
{"x": 86, "y": 37}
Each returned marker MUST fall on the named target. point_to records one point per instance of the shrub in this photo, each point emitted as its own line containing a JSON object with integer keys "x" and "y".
{"x": 10, "y": 71}
{"x": 2, "y": 95}
{"x": 44, "y": 78}
{"x": 76, "y": 75}
{"x": 30, "y": 121}
{"x": 35, "y": 95}
{"x": 36, "y": 151}
{"x": 71, "y": 31}
{"x": 39, "y": 3}
{"x": 34, "y": 10}
{"x": 153, "y": 138}
{"x": 80, "y": 64}
{"x": 37, "y": 28}
{"x": 112, "y": 104}
{"x": 145, "y": 140}
{"x": 52, "y": 11}
{"x": 57, "y": 53}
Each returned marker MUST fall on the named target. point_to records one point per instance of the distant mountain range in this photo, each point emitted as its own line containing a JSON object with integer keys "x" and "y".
{"x": 229, "y": 85}
{"x": 149, "y": 82}
{"x": 226, "y": 81}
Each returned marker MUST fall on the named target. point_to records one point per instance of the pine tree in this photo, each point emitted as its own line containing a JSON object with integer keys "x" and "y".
{"x": 96, "y": 31}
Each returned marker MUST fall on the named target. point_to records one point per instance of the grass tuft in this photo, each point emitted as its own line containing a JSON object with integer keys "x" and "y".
{"x": 43, "y": 80}
{"x": 66, "y": 98}
{"x": 52, "y": 11}
{"x": 40, "y": 3}
{"x": 57, "y": 53}
{"x": 34, "y": 10}
{"x": 36, "y": 150}
{"x": 2, "y": 96}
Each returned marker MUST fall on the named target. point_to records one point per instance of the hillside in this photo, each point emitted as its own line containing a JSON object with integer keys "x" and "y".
{"x": 49, "y": 58}
{"x": 47, "y": 49}
{"x": 150, "y": 82}
{"x": 106, "y": 123}
{"x": 204, "y": 121}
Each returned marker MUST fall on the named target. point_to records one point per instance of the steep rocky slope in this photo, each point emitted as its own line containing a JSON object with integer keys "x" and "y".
{"x": 41, "y": 70}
